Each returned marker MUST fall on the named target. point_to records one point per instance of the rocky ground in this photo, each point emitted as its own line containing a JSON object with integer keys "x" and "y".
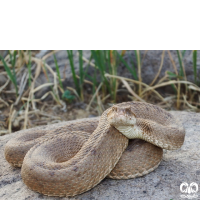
{"x": 178, "y": 166}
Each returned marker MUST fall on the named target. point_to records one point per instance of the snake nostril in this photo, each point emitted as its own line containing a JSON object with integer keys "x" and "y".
{"x": 114, "y": 109}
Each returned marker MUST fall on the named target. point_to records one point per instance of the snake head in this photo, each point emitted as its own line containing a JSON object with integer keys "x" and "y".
{"x": 121, "y": 116}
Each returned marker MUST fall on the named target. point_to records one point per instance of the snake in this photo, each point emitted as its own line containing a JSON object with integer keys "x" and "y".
{"x": 127, "y": 141}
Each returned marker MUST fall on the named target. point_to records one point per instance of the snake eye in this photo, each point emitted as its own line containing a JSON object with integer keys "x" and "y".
{"x": 113, "y": 108}
{"x": 128, "y": 111}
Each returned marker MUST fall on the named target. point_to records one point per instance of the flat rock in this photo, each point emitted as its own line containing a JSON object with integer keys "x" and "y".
{"x": 177, "y": 166}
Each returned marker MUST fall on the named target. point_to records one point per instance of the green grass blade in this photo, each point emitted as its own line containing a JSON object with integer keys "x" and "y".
{"x": 137, "y": 54}
{"x": 134, "y": 73}
{"x": 10, "y": 57}
{"x": 81, "y": 73}
{"x": 134, "y": 69}
{"x": 102, "y": 61}
{"x": 10, "y": 75}
{"x": 94, "y": 55}
{"x": 97, "y": 63}
{"x": 29, "y": 69}
{"x": 13, "y": 60}
{"x": 108, "y": 56}
{"x": 172, "y": 75}
{"x": 93, "y": 79}
{"x": 103, "y": 68}
{"x": 87, "y": 67}
{"x": 183, "y": 53}
{"x": 71, "y": 60}
{"x": 180, "y": 63}
{"x": 195, "y": 65}
{"x": 113, "y": 70}
{"x": 58, "y": 72}
{"x": 81, "y": 66}
{"x": 98, "y": 56}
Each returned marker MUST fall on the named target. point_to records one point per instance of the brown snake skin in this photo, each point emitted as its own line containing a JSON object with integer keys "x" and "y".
{"x": 73, "y": 159}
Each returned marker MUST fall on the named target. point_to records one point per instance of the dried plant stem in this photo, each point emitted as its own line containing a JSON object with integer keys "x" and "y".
{"x": 4, "y": 86}
{"x": 49, "y": 54}
{"x": 188, "y": 104}
{"x": 93, "y": 97}
{"x": 161, "y": 65}
{"x": 139, "y": 71}
{"x": 145, "y": 53}
{"x": 130, "y": 90}
{"x": 10, "y": 119}
{"x": 167, "y": 83}
{"x": 173, "y": 63}
{"x": 137, "y": 82}
{"x": 26, "y": 111}
{"x": 1, "y": 100}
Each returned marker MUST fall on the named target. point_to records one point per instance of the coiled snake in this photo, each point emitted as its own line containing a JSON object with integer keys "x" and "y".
{"x": 73, "y": 159}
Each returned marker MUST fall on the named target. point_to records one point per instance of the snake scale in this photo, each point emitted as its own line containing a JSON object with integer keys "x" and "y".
{"x": 72, "y": 159}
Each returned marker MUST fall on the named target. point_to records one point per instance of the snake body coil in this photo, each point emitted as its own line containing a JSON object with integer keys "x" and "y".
{"x": 73, "y": 159}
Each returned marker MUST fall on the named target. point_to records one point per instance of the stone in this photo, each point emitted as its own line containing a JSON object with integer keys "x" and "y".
{"x": 178, "y": 166}
{"x": 3, "y": 79}
{"x": 3, "y": 52}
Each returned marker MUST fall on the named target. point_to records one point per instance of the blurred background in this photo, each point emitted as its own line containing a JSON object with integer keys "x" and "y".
{"x": 45, "y": 87}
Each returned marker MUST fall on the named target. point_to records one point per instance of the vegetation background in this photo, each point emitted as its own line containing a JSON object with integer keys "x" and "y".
{"x": 92, "y": 85}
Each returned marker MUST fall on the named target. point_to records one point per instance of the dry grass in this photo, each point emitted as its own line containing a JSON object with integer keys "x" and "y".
{"x": 25, "y": 106}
